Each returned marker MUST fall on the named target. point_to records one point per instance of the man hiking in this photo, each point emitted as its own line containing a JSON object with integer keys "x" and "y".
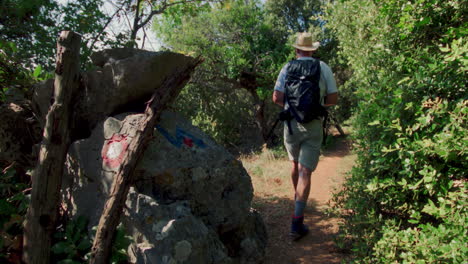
{"x": 304, "y": 88}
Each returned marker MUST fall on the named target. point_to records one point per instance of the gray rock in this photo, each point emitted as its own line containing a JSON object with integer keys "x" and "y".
{"x": 191, "y": 198}
{"x": 125, "y": 79}
{"x": 169, "y": 233}
{"x": 103, "y": 57}
{"x": 217, "y": 186}
{"x": 14, "y": 95}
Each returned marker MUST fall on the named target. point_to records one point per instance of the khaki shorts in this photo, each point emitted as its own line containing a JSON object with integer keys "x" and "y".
{"x": 303, "y": 145}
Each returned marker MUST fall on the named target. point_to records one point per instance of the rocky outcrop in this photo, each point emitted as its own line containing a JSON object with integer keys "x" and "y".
{"x": 124, "y": 79}
{"x": 170, "y": 233}
{"x": 191, "y": 200}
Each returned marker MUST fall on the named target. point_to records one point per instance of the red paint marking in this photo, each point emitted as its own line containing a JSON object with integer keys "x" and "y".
{"x": 114, "y": 150}
{"x": 188, "y": 141}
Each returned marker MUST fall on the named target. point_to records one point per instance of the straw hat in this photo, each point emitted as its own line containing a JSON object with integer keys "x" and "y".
{"x": 304, "y": 42}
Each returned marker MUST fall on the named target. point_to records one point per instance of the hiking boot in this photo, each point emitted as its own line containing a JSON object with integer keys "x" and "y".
{"x": 298, "y": 229}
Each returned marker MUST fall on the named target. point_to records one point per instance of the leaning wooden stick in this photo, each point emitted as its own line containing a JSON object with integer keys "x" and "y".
{"x": 110, "y": 218}
{"x": 47, "y": 177}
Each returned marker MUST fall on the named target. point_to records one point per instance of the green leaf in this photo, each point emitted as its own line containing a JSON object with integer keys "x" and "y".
{"x": 6, "y": 208}
{"x": 13, "y": 47}
{"x": 374, "y": 123}
{"x": 81, "y": 223}
{"x": 61, "y": 247}
{"x": 403, "y": 80}
{"x": 37, "y": 71}
{"x": 69, "y": 261}
{"x": 84, "y": 245}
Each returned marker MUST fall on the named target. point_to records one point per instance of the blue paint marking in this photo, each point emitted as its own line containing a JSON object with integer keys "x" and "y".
{"x": 181, "y": 138}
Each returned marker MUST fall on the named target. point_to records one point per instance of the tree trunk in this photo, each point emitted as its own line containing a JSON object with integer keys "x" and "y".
{"x": 248, "y": 81}
{"x": 136, "y": 21}
{"x": 47, "y": 177}
{"x": 110, "y": 218}
{"x": 337, "y": 126}
{"x": 259, "y": 106}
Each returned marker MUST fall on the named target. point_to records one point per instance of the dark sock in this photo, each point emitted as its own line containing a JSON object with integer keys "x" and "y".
{"x": 299, "y": 208}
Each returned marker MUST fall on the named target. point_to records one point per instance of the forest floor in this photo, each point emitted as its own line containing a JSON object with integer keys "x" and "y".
{"x": 273, "y": 198}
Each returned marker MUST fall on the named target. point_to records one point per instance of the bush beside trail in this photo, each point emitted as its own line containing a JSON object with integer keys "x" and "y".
{"x": 405, "y": 201}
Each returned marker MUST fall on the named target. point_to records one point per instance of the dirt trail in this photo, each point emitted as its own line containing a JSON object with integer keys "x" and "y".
{"x": 276, "y": 209}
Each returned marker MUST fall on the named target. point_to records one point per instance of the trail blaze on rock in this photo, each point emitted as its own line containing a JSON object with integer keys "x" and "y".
{"x": 114, "y": 150}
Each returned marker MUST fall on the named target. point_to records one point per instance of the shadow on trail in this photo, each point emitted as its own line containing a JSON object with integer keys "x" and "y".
{"x": 315, "y": 248}
{"x": 337, "y": 146}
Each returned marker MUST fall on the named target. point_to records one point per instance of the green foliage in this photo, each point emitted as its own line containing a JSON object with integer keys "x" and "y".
{"x": 175, "y": 14}
{"x": 33, "y": 25}
{"x": 13, "y": 74}
{"x": 405, "y": 197}
{"x": 279, "y": 152}
{"x": 13, "y": 206}
{"x": 86, "y": 18}
{"x": 120, "y": 246}
{"x": 293, "y": 15}
{"x": 243, "y": 55}
{"x": 216, "y": 112}
{"x": 73, "y": 243}
{"x": 223, "y": 36}
{"x": 428, "y": 243}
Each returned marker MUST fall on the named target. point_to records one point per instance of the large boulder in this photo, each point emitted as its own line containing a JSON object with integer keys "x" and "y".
{"x": 170, "y": 233}
{"x": 190, "y": 202}
{"x": 123, "y": 80}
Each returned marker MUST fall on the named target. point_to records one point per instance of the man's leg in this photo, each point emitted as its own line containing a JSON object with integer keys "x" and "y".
{"x": 302, "y": 190}
{"x": 295, "y": 176}
{"x": 307, "y": 153}
{"x": 303, "y": 183}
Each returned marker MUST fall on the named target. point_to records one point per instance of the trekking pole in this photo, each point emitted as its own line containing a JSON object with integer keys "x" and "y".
{"x": 325, "y": 128}
{"x": 272, "y": 129}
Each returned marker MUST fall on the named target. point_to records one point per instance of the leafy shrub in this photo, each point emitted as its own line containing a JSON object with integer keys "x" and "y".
{"x": 13, "y": 74}
{"x": 73, "y": 243}
{"x": 403, "y": 201}
{"x": 427, "y": 243}
{"x": 223, "y": 115}
{"x": 13, "y": 206}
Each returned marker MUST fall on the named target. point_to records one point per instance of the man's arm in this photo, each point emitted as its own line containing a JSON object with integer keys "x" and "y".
{"x": 331, "y": 99}
{"x": 278, "y": 98}
{"x": 332, "y": 91}
{"x": 278, "y": 93}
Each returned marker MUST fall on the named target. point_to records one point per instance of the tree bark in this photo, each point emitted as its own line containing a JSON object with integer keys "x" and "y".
{"x": 259, "y": 114}
{"x": 136, "y": 20}
{"x": 248, "y": 81}
{"x": 337, "y": 126}
{"x": 47, "y": 176}
{"x": 141, "y": 20}
{"x": 110, "y": 218}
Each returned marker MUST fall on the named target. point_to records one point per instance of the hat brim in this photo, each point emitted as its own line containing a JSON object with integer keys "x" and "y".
{"x": 314, "y": 47}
